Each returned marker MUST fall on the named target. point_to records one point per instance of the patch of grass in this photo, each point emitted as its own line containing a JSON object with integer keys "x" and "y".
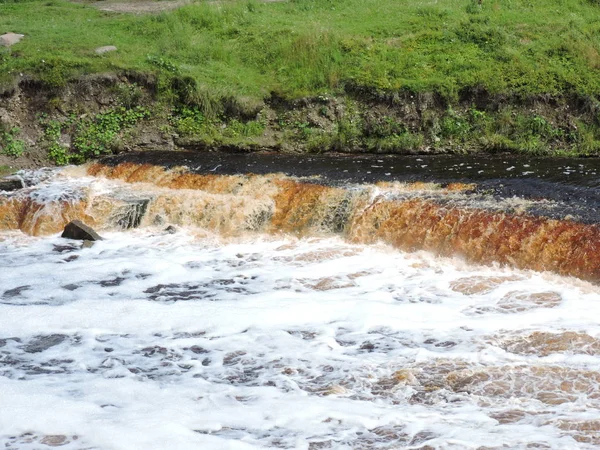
{"x": 191, "y": 124}
{"x": 307, "y": 47}
{"x": 405, "y": 142}
{"x": 6, "y": 170}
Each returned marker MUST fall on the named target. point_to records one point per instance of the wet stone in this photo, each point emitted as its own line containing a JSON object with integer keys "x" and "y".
{"x": 71, "y": 287}
{"x": 11, "y": 184}
{"x": 54, "y": 440}
{"x": 149, "y": 351}
{"x": 36, "y": 370}
{"x": 63, "y": 248}
{"x": 131, "y": 214}
{"x": 79, "y": 231}
{"x": 367, "y": 346}
{"x": 178, "y": 292}
{"x": 233, "y": 358}
{"x": 198, "y": 350}
{"x": 479, "y": 284}
{"x": 87, "y": 244}
{"x": 43, "y": 343}
{"x": 15, "y": 292}
{"x": 112, "y": 283}
{"x": 545, "y": 343}
{"x": 445, "y": 344}
{"x": 305, "y": 335}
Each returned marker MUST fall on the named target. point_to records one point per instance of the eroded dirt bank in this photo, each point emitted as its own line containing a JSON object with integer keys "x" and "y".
{"x": 110, "y": 113}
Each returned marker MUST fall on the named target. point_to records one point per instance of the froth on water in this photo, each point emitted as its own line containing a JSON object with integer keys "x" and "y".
{"x": 156, "y": 340}
{"x": 446, "y": 221}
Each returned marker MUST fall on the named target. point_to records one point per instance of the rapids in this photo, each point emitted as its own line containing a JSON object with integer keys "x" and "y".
{"x": 434, "y": 311}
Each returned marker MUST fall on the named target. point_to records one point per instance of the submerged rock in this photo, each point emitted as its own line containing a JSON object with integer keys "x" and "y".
{"x": 130, "y": 215}
{"x": 87, "y": 244}
{"x": 54, "y": 440}
{"x": 43, "y": 343}
{"x": 76, "y": 229}
{"x": 8, "y": 39}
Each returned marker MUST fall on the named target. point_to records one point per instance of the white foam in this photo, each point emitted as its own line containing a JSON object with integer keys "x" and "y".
{"x": 171, "y": 341}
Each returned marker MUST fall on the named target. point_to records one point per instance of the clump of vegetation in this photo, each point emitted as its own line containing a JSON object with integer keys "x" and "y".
{"x": 191, "y": 124}
{"x": 92, "y": 137}
{"x": 10, "y": 144}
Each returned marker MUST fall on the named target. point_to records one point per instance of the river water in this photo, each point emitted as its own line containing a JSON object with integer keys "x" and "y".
{"x": 285, "y": 313}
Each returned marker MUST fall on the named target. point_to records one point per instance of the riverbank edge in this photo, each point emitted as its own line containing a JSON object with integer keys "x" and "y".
{"x": 111, "y": 113}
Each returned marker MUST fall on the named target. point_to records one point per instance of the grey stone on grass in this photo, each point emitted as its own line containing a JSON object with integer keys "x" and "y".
{"x": 105, "y": 49}
{"x": 8, "y": 39}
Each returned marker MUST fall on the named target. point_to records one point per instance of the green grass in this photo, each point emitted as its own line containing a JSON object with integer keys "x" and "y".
{"x": 216, "y": 62}
{"x": 309, "y": 47}
{"x": 6, "y": 170}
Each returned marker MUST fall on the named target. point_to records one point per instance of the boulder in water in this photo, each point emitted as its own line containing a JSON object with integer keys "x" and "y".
{"x": 76, "y": 229}
{"x": 11, "y": 184}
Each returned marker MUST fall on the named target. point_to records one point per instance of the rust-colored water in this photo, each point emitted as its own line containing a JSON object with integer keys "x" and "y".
{"x": 393, "y": 213}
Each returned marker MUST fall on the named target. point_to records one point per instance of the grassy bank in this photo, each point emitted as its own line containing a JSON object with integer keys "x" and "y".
{"x": 483, "y": 65}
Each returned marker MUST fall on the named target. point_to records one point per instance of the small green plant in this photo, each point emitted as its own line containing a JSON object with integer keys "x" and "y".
{"x": 237, "y": 129}
{"x": 129, "y": 95}
{"x": 453, "y": 126}
{"x": 91, "y": 136}
{"x": 162, "y": 63}
{"x": 10, "y": 145}
{"x": 387, "y": 126}
{"x": 52, "y": 132}
{"x": 188, "y": 121}
{"x": 303, "y": 129}
{"x": 347, "y": 134}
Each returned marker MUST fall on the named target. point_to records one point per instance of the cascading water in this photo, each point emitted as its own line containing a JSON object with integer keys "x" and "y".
{"x": 282, "y": 314}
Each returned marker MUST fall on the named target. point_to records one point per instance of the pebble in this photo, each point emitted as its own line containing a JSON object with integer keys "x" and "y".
{"x": 105, "y": 49}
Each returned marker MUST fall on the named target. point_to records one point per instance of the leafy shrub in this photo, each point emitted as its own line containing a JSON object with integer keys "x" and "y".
{"x": 91, "y": 137}
{"x": 10, "y": 145}
{"x": 453, "y": 126}
{"x": 189, "y": 121}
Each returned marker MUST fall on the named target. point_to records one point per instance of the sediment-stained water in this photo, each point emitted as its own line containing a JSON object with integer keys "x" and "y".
{"x": 281, "y": 313}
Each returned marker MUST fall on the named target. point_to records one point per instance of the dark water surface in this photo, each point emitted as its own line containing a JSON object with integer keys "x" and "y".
{"x": 373, "y": 168}
{"x": 573, "y": 184}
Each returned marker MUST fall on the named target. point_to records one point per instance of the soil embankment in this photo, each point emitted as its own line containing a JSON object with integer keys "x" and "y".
{"x": 115, "y": 113}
